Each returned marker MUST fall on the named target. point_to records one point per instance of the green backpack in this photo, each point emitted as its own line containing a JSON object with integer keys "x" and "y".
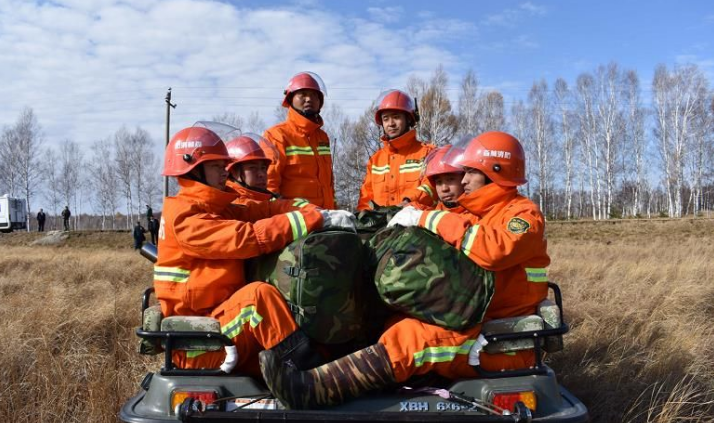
{"x": 322, "y": 278}
{"x": 419, "y": 274}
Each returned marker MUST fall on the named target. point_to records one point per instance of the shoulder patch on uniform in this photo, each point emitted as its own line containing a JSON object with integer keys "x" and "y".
{"x": 518, "y": 226}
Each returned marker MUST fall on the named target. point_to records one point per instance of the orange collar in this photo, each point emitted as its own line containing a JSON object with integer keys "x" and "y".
{"x": 403, "y": 141}
{"x": 301, "y": 123}
{"x": 199, "y": 193}
{"x": 244, "y": 191}
{"x": 485, "y": 199}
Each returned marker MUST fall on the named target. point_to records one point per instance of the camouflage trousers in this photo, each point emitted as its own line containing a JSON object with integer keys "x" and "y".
{"x": 256, "y": 318}
{"x": 416, "y": 348}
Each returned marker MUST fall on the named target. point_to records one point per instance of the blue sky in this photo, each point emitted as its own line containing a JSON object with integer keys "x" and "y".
{"x": 89, "y": 67}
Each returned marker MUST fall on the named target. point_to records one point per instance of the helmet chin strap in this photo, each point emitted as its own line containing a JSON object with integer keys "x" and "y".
{"x": 201, "y": 177}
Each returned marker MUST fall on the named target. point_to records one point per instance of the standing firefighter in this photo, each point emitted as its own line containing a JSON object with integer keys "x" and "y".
{"x": 149, "y": 214}
{"x": 203, "y": 243}
{"x": 502, "y": 232}
{"x": 304, "y": 166}
{"x": 248, "y": 169}
{"x": 394, "y": 172}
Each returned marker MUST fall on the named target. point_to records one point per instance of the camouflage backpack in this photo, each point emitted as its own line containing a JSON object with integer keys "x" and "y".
{"x": 419, "y": 274}
{"x": 322, "y": 278}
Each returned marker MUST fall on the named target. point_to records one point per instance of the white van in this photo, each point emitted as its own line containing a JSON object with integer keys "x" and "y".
{"x": 13, "y": 213}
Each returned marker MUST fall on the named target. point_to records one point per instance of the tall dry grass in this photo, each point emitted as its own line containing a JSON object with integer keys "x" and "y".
{"x": 67, "y": 351}
{"x": 639, "y": 297}
{"x": 640, "y": 300}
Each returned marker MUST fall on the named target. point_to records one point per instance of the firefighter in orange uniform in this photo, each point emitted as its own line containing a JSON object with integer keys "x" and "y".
{"x": 248, "y": 169}
{"x": 504, "y": 232}
{"x": 203, "y": 241}
{"x": 304, "y": 166}
{"x": 394, "y": 172}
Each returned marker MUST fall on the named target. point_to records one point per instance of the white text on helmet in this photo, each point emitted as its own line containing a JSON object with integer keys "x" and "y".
{"x": 188, "y": 144}
{"x": 496, "y": 153}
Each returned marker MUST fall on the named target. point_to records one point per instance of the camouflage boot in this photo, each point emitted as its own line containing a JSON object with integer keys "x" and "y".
{"x": 329, "y": 384}
{"x": 295, "y": 350}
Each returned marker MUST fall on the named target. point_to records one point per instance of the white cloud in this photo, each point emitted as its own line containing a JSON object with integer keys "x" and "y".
{"x": 513, "y": 16}
{"x": 87, "y": 69}
{"x": 386, "y": 14}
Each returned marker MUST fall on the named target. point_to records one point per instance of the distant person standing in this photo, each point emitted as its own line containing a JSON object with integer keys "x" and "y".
{"x": 149, "y": 214}
{"x": 154, "y": 229}
{"x": 66, "y": 214}
{"x": 41, "y": 221}
{"x": 139, "y": 237}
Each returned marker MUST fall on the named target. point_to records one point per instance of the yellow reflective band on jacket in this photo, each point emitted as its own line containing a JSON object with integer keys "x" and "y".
{"x": 426, "y": 189}
{"x": 432, "y": 220}
{"x": 246, "y": 315}
{"x": 536, "y": 274}
{"x": 297, "y": 224}
{"x": 441, "y": 354}
{"x": 194, "y": 354}
{"x": 171, "y": 274}
{"x": 410, "y": 167}
{"x": 294, "y": 150}
{"x": 324, "y": 150}
{"x": 300, "y": 202}
{"x": 380, "y": 170}
{"x": 469, "y": 238}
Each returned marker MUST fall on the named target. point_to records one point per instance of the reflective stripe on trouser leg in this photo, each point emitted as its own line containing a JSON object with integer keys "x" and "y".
{"x": 256, "y": 318}
{"x": 416, "y": 348}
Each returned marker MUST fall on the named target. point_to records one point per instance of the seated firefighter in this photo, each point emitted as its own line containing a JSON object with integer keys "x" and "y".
{"x": 501, "y": 231}
{"x": 248, "y": 169}
{"x": 203, "y": 242}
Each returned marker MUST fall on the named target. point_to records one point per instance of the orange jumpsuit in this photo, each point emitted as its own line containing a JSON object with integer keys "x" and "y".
{"x": 203, "y": 241}
{"x": 247, "y": 195}
{"x": 394, "y": 173}
{"x": 304, "y": 168}
{"x": 504, "y": 232}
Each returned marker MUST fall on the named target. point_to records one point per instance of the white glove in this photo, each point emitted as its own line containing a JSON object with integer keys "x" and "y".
{"x": 408, "y": 216}
{"x": 231, "y": 359}
{"x": 475, "y": 350}
{"x": 338, "y": 219}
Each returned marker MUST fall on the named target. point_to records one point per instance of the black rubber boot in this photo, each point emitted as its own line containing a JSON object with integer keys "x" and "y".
{"x": 296, "y": 350}
{"x": 332, "y": 383}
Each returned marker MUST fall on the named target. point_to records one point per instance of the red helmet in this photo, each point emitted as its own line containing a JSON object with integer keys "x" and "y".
{"x": 249, "y": 147}
{"x": 435, "y": 164}
{"x": 304, "y": 81}
{"x": 191, "y": 146}
{"x": 396, "y": 100}
{"x": 498, "y": 155}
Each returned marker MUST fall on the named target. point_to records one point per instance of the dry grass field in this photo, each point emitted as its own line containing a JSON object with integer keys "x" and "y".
{"x": 638, "y": 295}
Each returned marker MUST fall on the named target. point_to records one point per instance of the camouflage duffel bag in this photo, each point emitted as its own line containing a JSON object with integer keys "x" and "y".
{"x": 419, "y": 274}
{"x": 322, "y": 278}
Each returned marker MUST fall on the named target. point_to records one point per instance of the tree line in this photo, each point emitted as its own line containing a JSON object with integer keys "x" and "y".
{"x": 597, "y": 148}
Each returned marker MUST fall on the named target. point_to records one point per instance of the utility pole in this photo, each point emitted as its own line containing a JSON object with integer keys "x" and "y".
{"x": 169, "y": 106}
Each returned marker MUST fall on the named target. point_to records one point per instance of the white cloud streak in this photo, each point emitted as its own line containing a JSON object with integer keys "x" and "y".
{"x": 87, "y": 68}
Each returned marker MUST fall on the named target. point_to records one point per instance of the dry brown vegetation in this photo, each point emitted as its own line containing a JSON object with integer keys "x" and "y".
{"x": 639, "y": 297}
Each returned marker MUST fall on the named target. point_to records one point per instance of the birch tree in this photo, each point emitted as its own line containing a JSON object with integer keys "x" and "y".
{"x": 68, "y": 178}
{"x": 491, "y": 111}
{"x": 103, "y": 181}
{"x": 588, "y": 135}
{"x": 540, "y": 141}
{"x": 563, "y": 100}
{"x": 124, "y": 170}
{"x": 469, "y": 105}
{"x": 25, "y": 147}
{"x": 636, "y": 142}
{"x": 437, "y": 122}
